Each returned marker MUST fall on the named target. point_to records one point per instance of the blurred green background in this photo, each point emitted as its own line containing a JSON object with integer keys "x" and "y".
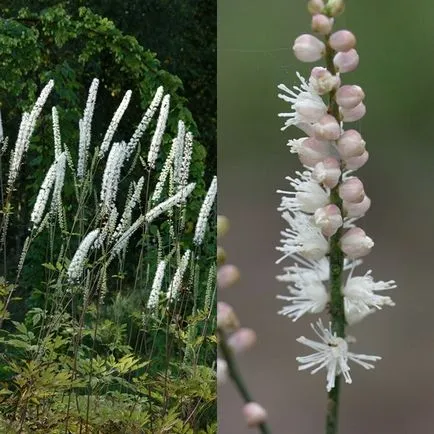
{"x": 396, "y": 48}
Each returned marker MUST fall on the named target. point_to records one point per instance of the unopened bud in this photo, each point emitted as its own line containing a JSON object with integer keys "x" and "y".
{"x": 328, "y": 219}
{"x": 356, "y": 210}
{"x": 342, "y": 40}
{"x": 327, "y": 172}
{"x": 346, "y": 61}
{"x": 353, "y": 114}
{"x": 222, "y": 226}
{"x": 243, "y": 339}
{"x": 322, "y": 24}
{"x": 254, "y": 414}
{"x": 307, "y": 48}
{"x": 351, "y": 144}
{"x": 349, "y": 96}
{"x": 352, "y": 190}
{"x": 327, "y": 128}
{"x": 222, "y": 371}
{"x": 226, "y": 317}
{"x": 335, "y": 7}
{"x": 313, "y": 151}
{"x": 323, "y": 81}
{"x": 227, "y": 275}
{"x": 221, "y": 255}
{"x": 355, "y": 243}
{"x": 315, "y": 6}
{"x": 356, "y": 163}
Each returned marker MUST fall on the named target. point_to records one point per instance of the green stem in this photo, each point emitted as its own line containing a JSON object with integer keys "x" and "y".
{"x": 337, "y": 309}
{"x": 235, "y": 375}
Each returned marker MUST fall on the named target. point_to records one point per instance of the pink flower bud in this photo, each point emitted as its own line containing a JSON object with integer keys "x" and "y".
{"x": 315, "y": 6}
{"x": 357, "y": 209}
{"x": 222, "y": 371}
{"x": 227, "y": 275}
{"x": 356, "y": 163}
{"x": 323, "y": 81}
{"x": 351, "y": 144}
{"x": 346, "y": 61}
{"x": 254, "y": 414}
{"x": 335, "y": 7}
{"x": 327, "y": 128}
{"x": 242, "y": 340}
{"x": 322, "y": 24}
{"x": 353, "y": 114}
{"x": 342, "y": 40}
{"x": 307, "y": 48}
{"x": 327, "y": 172}
{"x": 222, "y": 225}
{"x": 226, "y": 318}
{"x": 352, "y": 190}
{"x": 349, "y": 96}
{"x": 328, "y": 219}
{"x": 313, "y": 151}
{"x": 355, "y": 243}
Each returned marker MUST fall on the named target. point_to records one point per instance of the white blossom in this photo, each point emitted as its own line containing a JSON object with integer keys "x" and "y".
{"x": 308, "y": 196}
{"x": 302, "y": 238}
{"x": 360, "y": 296}
{"x": 175, "y": 285}
{"x": 308, "y": 295}
{"x": 178, "y": 153}
{"x": 25, "y": 131}
{"x": 332, "y": 354}
{"x": 159, "y": 131}
{"x": 114, "y": 123}
{"x": 75, "y": 269}
{"x": 204, "y": 213}
{"x": 143, "y": 125}
{"x": 44, "y": 193}
{"x": 112, "y": 173}
{"x": 85, "y": 126}
{"x": 123, "y": 240}
{"x": 156, "y": 286}
{"x": 307, "y": 106}
{"x": 60, "y": 180}
{"x": 164, "y": 172}
{"x": 186, "y": 159}
{"x": 129, "y": 207}
{"x": 307, "y": 269}
{"x": 169, "y": 203}
{"x": 56, "y": 133}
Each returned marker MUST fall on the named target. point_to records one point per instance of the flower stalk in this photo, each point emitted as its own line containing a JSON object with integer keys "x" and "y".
{"x": 327, "y": 200}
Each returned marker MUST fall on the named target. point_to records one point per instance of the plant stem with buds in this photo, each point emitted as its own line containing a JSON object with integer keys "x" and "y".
{"x": 235, "y": 375}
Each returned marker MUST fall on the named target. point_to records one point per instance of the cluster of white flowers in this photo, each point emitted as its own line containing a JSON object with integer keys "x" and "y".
{"x": 111, "y": 176}
{"x": 176, "y": 199}
{"x": 327, "y": 199}
{"x": 146, "y": 119}
{"x": 76, "y": 267}
{"x": 85, "y": 128}
{"x": 156, "y": 287}
{"x": 114, "y": 123}
{"x": 129, "y": 207}
{"x": 175, "y": 285}
{"x": 204, "y": 213}
{"x": 25, "y": 131}
{"x": 159, "y": 131}
{"x": 54, "y": 177}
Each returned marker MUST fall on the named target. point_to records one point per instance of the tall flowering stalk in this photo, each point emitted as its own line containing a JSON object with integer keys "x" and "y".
{"x": 325, "y": 202}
